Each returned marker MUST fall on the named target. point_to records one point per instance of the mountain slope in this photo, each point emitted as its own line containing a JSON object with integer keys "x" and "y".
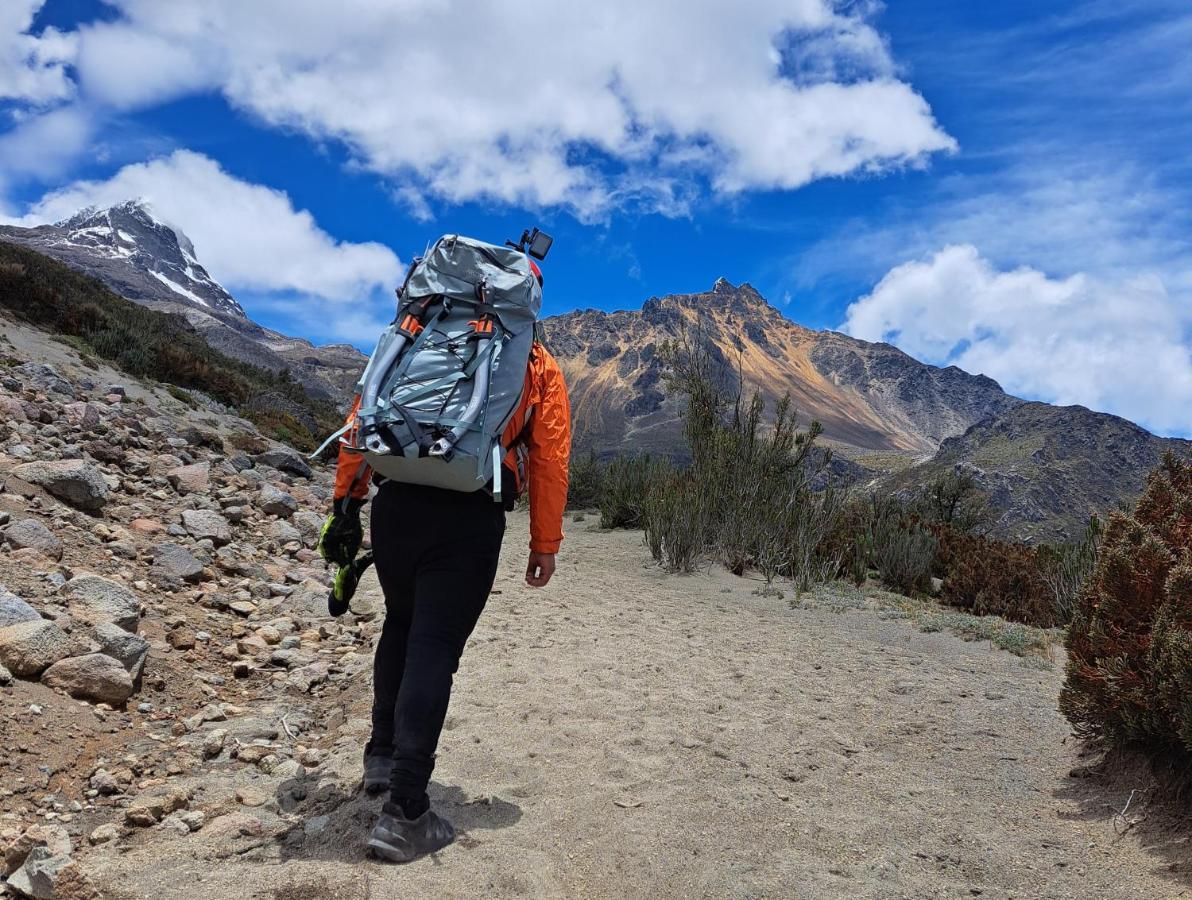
{"x": 1047, "y": 468}
{"x": 868, "y": 397}
{"x": 144, "y": 259}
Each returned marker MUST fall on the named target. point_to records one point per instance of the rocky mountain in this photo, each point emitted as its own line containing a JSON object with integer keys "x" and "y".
{"x": 145, "y": 259}
{"x": 1046, "y": 469}
{"x": 868, "y": 397}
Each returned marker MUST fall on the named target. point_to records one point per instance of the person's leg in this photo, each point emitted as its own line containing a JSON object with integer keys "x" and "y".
{"x": 450, "y": 591}
{"x": 395, "y": 557}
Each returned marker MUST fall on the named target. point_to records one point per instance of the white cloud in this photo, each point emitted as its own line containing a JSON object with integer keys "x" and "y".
{"x": 249, "y": 236}
{"x": 44, "y": 145}
{"x": 569, "y": 106}
{"x": 32, "y": 67}
{"x": 1115, "y": 346}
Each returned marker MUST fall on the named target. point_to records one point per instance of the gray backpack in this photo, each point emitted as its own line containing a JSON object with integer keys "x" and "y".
{"x": 448, "y": 374}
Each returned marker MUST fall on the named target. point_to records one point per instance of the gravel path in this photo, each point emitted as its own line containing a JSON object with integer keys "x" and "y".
{"x": 624, "y": 733}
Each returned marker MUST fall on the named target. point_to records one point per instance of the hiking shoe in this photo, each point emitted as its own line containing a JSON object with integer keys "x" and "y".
{"x": 377, "y": 767}
{"x": 401, "y": 840}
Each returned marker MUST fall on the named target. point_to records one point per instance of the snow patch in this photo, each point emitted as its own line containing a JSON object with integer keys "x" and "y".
{"x": 179, "y": 289}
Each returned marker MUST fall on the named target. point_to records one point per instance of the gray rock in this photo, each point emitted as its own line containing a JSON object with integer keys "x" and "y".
{"x": 206, "y": 523}
{"x": 173, "y": 564}
{"x": 38, "y": 876}
{"x": 29, "y": 648}
{"x": 95, "y": 676}
{"x": 192, "y": 479}
{"x": 309, "y": 524}
{"x": 5, "y": 677}
{"x": 13, "y": 609}
{"x": 44, "y": 377}
{"x": 71, "y": 480}
{"x": 284, "y": 461}
{"x": 32, "y": 533}
{"x": 130, "y": 649}
{"x": 276, "y": 502}
{"x": 96, "y": 599}
{"x": 284, "y": 532}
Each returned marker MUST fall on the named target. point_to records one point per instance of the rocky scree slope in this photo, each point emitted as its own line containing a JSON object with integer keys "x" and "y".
{"x": 868, "y": 397}
{"x": 144, "y": 259}
{"x": 164, "y": 641}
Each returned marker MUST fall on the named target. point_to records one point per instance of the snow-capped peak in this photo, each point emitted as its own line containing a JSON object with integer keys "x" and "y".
{"x": 133, "y": 233}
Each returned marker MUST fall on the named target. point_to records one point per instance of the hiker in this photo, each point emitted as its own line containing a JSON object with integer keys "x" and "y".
{"x": 436, "y": 548}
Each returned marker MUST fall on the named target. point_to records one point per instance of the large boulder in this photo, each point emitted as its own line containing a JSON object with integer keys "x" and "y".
{"x": 44, "y": 378}
{"x": 173, "y": 564}
{"x": 284, "y": 461}
{"x": 14, "y": 610}
{"x": 130, "y": 649}
{"x": 29, "y": 648}
{"x": 55, "y": 838}
{"x": 192, "y": 479}
{"x": 206, "y": 523}
{"x": 71, "y": 480}
{"x": 45, "y": 876}
{"x": 32, "y": 533}
{"x": 95, "y": 600}
{"x": 95, "y": 676}
{"x": 275, "y": 502}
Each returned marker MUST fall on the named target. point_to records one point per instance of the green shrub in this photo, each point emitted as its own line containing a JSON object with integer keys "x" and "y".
{"x": 1068, "y": 567}
{"x": 676, "y": 522}
{"x": 1129, "y": 669}
{"x": 903, "y": 552}
{"x": 585, "y": 481}
{"x": 182, "y": 396}
{"x": 625, "y": 487}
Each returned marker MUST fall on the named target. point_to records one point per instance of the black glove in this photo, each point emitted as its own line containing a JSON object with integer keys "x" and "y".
{"x": 342, "y": 533}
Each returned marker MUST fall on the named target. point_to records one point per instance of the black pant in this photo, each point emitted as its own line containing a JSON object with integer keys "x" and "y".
{"x": 436, "y": 558}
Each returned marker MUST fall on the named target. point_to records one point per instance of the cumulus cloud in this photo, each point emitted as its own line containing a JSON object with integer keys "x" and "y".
{"x": 32, "y": 67}
{"x": 569, "y": 106}
{"x": 249, "y": 236}
{"x": 1115, "y": 346}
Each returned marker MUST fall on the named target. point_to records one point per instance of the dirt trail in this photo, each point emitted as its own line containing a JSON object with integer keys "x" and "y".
{"x": 624, "y": 733}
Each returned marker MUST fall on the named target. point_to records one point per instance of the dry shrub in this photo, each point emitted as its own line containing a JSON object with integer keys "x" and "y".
{"x": 994, "y": 578}
{"x": 1129, "y": 671}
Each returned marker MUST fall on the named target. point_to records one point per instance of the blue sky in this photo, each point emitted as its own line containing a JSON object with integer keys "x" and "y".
{"x": 1003, "y": 186}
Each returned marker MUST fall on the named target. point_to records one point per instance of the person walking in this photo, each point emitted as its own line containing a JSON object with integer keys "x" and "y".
{"x": 436, "y": 552}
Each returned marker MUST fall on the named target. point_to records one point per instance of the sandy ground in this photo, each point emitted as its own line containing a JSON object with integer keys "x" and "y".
{"x": 624, "y": 733}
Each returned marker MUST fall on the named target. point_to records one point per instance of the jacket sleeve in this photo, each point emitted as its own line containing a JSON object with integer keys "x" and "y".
{"x": 549, "y": 444}
{"x": 352, "y": 474}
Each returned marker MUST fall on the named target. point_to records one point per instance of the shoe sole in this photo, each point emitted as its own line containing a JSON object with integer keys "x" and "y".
{"x": 395, "y": 855}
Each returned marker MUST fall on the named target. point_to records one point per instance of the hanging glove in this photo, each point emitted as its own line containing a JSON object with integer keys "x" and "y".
{"x": 342, "y": 533}
{"x": 346, "y": 580}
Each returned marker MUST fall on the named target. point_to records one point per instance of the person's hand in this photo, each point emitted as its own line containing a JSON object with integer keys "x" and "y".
{"x": 341, "y": 535}
{"x": 540, "y": 568}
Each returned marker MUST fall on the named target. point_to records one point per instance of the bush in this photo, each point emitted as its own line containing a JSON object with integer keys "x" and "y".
{"x": 584, "y": 483}
{"x": 625, "y": 489}
{"x": 953, "y": 501}
{"x": 676, "y": 522}
{"x": 994, "y": 578}
{"x": 747, "y": 498}
{"x": 1129, "y": 670}
{"x": 1068, "y": 567}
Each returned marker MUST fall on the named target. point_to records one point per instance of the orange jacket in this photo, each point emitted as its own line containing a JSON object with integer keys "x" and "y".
{"x": 538, "y": 447}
